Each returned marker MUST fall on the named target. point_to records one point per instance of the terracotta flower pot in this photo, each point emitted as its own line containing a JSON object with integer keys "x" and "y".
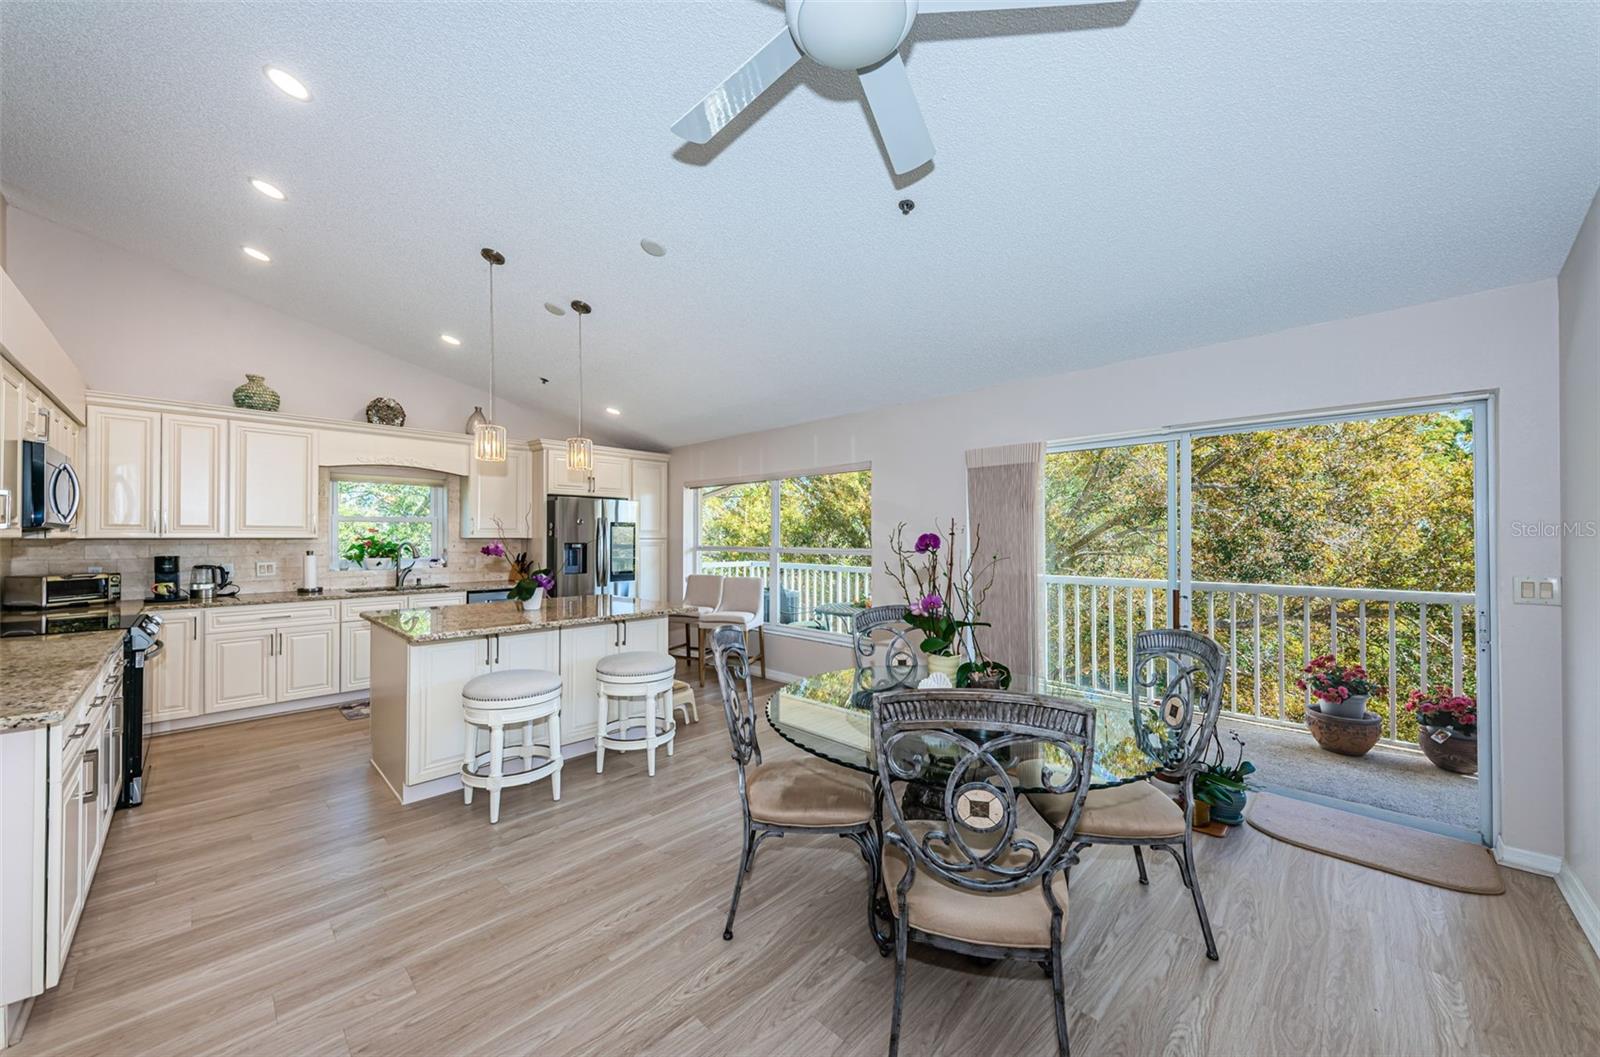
{"x": 1347, "y": 737}
{"x": 1202, "y": 813}
{"x": 1455, "y": 752}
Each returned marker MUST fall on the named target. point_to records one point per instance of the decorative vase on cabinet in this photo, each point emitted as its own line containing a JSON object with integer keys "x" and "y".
{"x": 256, "y": 395}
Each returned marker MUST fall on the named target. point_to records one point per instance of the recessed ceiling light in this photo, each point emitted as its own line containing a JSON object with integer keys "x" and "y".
{"x": 652, "y": 247}
{"x": 449, "y": 339}
{"x": 554, "y": 309}
{"x": 612, "y": 411}
{"x": 288, "y": 84}
{"x": 267, "y": 189}
{"x": 256, "y": 255}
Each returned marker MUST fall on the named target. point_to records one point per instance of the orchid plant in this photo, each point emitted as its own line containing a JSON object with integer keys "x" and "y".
{"x": 946, "y": 597}
{"x": 527, "y": 578}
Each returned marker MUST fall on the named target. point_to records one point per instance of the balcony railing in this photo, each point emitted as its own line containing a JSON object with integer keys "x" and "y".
{"x": 804, "y": 587}
{"x": 1405, "y": 639}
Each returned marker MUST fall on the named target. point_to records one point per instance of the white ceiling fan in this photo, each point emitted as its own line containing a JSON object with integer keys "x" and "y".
{"x": 859, "y": 35}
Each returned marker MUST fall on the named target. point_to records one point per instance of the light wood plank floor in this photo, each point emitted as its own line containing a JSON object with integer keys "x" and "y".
{"x": 271, "y": 897}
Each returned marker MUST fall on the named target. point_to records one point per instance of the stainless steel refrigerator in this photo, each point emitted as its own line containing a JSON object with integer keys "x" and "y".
{"x": 591, "y": 545}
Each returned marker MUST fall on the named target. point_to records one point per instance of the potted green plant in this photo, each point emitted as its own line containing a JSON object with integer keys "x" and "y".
{"x": 371, "y": 551}
{"x": 529, "y": 585}
{"x": 1447, "y": 728}
{"x": 1224, "y": 789}
{"x": 946, "y": 597}
{"x": 1342, "y": 690}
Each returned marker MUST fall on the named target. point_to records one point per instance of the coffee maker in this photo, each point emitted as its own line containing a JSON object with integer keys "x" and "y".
{"x": 217, "y": 576}
{"x": 165, "y": 586}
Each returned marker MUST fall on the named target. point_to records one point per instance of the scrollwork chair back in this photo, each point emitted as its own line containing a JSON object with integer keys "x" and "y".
{"x": 1177, "y": 696}
{"x": 977, "y": 844}
{"x": 738, "y": 696}
{"x": 882, "y": 649}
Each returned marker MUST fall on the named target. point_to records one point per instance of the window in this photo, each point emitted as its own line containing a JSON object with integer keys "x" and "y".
{"x": 390, "y": 510}
{"x": 811, "y": 535}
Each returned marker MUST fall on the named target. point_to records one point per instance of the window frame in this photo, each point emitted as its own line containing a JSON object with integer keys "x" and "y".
{"x": 773, "y": 550}
{"x": 438, "y": 518}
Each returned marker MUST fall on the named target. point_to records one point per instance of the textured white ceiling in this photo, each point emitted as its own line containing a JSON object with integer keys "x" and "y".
{"x": 1111, "y": 181}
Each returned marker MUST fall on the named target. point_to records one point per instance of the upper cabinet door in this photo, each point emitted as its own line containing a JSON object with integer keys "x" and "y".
{"x": 274, "y": 481}
{"x": 499, "y": 494}
{"x": 123, "y": 484}
{"x": 10, "y": 450}
{"x": 612, "y": 476}
{"x": 650, "y": 492}
{"x": 195, "y": 476}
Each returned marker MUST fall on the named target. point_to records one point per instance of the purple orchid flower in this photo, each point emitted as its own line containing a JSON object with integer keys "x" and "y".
{"x": 928, "y": 541}
{"x": 544, "y": 581}
{"x": 928, "y": 605}
{"x": 493, "y": 550}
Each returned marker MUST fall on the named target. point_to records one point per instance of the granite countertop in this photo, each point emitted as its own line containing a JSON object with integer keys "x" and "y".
{"x": 42, "y": 677}
{"x": 335, "y": 594}
{"x": 509, "y": 618}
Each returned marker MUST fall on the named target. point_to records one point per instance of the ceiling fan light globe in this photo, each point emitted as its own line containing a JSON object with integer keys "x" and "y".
{"x": 849, "y": 34}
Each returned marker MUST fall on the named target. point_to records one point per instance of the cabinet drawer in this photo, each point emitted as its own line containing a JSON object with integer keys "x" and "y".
{"x": 246, "y": 617}
{"x": 352, "y": 609}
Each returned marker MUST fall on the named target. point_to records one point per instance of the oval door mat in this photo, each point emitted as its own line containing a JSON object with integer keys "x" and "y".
{"x": 1386, "y": 846}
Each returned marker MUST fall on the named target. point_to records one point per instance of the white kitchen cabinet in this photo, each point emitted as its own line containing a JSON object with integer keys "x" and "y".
{"x": 581, "y": 647}
{"x": 355, "y": 656}
{"x": 540, "y": 650}
{"x": 194, "y": 476}
{"x": 274, "y": 481}
{"x": 35, "y": 413}
{"x": 612, "y": 476}
{"x": 498, "y": 497}
{"x": 123, "y": 482}
{"x": 240, "y": 669}
{"x": 11, "y": 416}
{"x": 173, "y": 675}
{"x": 650, "y": 493}
{"x": 438, "y": 671}
{"x": 651, "y": 569}
{"x": 308, "y": 662}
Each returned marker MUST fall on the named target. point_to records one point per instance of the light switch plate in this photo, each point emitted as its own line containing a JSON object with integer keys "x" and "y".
{"x": 266, "y": 568}
{"x": 1536, "y": 591}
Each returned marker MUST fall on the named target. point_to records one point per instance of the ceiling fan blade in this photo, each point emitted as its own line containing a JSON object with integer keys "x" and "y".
{"x": 945, "y": 7}
{"x": 713, "y": 113}
{"x": 895, "y": 112}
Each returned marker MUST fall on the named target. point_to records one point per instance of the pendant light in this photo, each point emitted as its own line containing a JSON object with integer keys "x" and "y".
{"x": 580, "y": 449}
{"x": 489, "y": 439}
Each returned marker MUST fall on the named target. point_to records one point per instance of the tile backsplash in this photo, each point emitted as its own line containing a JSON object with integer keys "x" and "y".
{"x": 134, "y": 559}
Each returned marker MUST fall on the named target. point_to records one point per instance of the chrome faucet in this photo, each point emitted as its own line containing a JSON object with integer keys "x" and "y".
{"x": 403, "y": 571}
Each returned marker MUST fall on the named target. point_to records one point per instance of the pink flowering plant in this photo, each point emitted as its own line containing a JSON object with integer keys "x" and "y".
{"x": 1330, "y": 681}
{"x": 1443, "y": 707}
{"x": 945, "y": 593}
{"x": 522, "y": 570}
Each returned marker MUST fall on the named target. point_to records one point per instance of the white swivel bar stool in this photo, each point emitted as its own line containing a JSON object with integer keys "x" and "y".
{"x": 513, "y": 697}
{"x": 635, "y": 676}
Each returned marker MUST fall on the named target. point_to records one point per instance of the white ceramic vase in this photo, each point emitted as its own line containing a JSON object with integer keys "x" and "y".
{"x": 534, "y": 603}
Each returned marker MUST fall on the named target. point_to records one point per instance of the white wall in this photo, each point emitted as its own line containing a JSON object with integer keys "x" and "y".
{"x": 135, "y": 326}
{"x": 1502, "y": 341}
{"x": 1580, "y": 556}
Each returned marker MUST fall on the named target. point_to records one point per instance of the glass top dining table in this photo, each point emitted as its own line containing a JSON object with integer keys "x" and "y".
{"x": 830, "y": 716}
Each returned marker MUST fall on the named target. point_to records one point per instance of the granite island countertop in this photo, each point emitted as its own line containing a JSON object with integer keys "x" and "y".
{"x": 509, "y": 618}
{"x": 42, "y": 677}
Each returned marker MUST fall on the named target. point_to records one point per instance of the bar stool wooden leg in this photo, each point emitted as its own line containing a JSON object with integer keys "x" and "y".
{"x": 497, "y": 749}
{"x": 668, "y": 719}
{"x": 469, "y": 757}
{"x": 649, "y": 710}
{"x": 553, "y": 728}
{"x": 604, "y": 705}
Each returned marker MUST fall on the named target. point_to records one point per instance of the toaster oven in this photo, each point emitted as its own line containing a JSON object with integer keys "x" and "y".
{"x": 53, "y": 592}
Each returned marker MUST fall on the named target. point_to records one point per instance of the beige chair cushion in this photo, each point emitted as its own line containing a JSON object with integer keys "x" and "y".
{"x": 808, "y": 792}
{"x": 1137, "y": 809}
{"x": 510, "y": 684}
{"x": 635, "y": 664}
{"x": 742, "y": 594}
{"x": 1019, "y": 918}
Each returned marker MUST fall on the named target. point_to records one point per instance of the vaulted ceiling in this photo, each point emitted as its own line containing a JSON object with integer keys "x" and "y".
{"x": 1111, "y": 181}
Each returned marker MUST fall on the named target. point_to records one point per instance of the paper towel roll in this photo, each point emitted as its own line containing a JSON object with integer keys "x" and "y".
{"x": 308, "y": 574}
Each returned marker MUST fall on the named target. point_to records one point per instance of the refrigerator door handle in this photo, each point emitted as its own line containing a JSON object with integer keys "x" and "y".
{"x": 602, "y": 558}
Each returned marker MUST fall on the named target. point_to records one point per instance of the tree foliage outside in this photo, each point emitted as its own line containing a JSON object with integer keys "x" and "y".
{"x": 391, "y": 512}
{"x": 1382, "y": 503}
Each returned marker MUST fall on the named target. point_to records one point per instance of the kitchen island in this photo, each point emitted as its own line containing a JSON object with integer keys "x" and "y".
{"x": 421, "y": 658}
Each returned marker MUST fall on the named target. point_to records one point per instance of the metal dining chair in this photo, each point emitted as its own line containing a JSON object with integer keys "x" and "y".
{"x": 1183, "y": 672}
{"x": 881, "y": 647}
{"x": 786, "y": 796}
{"x": 971, "y": 880}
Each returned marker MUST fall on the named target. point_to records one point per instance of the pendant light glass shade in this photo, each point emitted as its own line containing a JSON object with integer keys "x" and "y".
{"x": 488, "y": 439}
{"x": 580, "y": 449}
{"x": 489, "y": 443}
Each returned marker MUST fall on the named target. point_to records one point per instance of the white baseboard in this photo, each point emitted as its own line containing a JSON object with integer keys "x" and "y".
{"x": 1582, "y": 903}
{"x": 1527, "y": 861}
{"x": 239, "y": 715}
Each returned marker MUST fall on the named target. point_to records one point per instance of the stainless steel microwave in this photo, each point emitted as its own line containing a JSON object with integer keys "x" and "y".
{"x": 50, "y": 490}
{"x": 53, "y": 592}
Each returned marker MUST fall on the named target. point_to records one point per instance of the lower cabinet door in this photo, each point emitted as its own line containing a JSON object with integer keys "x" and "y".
{"x": 581, "y": 647}
{"x": 241, "y": 669}
{"x": 438, "y": 672}
{"x": 646, "y": 636}
{"x": 172, "y": 676}
{"x": 76, "y": 822}
{"x": 540, "y": 650}
{"x": 308, "y": 662}
{"x": 355, "y": 655}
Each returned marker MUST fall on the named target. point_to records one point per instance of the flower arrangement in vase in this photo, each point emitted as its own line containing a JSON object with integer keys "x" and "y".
{"x": 1343, "y": 689}
{"x": 1447, "y": 728}
{"x": 529, "y": 585}
{"x": 946, "y": 597}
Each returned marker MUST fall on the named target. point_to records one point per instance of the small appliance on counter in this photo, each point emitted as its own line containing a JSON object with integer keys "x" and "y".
{"x": 165, "y": 587}
{"x": 214, "y": 577}
{"x": 55, "y": 592}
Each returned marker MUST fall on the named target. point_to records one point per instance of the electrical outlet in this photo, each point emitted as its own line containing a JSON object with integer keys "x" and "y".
{"x": 266, "y": 568}
{"x": 1534, "y": 591}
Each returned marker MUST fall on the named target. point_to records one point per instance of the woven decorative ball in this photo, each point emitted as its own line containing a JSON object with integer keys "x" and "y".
{"x": 386, "y": 412}
{"x": 256, "y": 395}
